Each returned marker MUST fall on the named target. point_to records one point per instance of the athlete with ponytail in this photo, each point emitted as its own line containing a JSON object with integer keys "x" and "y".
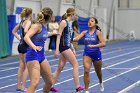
{"x": 23, "y": 27}
{"x": 64, "y": 46}
{"x": 92, "y": 55}
{"x": 35, "y": 57}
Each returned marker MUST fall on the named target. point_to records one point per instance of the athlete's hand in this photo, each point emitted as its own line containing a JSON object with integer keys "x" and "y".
{"x": 91, "y": 46}
{"x": 37, "y": 48}
{"x": 55, "y": 32}
{"x": 74, "y": 40}
{"x": 56, "y": 54}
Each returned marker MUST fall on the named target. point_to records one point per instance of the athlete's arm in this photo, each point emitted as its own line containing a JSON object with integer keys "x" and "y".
{"x": 72, "y": 48}
{"x": 27, "y": 26}
{"x": 77, "y": 38}
{"x": 52, "y": 33}
{"x": 15, "y": 30}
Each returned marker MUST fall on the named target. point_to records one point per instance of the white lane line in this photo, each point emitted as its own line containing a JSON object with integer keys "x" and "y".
{"x": 127, "y": 89}
{"x": 80, "y": 75}
{"x": 117, "y": 68}
{"x": 8, "y": 76}
{"x": 103, "y": 59}
{"x": 81, "y": 59}
{"x": 116, "y": 76}
{"x": 76, "y": 52}
{"x": 9, "y": 63}
{"x": 94, "y": 71}
{"x": 57, "y": 60}
{"x": 122, "y": 68}
{"x": 45, "y": 57}
{"x": 56, "y": 65}
{"x": 81, "y": 50}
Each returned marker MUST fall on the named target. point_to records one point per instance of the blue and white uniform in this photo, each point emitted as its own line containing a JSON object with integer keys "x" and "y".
{"x": 39, "y": 40}
{"x": 65, "y": 39}
{"x": 94, "y": 53}
{"x": 22, "y": 47}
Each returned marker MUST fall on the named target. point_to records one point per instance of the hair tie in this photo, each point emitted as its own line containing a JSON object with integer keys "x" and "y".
{"x": 24, "y": 10}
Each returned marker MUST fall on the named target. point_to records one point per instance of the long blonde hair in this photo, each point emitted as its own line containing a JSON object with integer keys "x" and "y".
{"x": 26, "y": 12}
{"x": 69, "y": 12}
{"x": 44, "y": 15}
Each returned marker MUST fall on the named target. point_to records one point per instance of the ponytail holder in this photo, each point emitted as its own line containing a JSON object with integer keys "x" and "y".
{"x": 24, "y": 10}
{"x": 41, "y": 11}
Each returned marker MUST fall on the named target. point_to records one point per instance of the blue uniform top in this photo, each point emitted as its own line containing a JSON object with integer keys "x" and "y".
{"x": 39, "y": 38}
{"x": 66, "y": 36}
{"x": 93, "y": 40}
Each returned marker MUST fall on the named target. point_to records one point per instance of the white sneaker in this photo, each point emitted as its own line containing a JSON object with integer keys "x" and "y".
{"x": 101, "y": 87}
{"x": 23, "y": 90}
{"x": 86, "y": 91}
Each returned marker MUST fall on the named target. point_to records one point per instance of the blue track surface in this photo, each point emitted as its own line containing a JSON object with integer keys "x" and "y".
{"x": 121, "y": 68}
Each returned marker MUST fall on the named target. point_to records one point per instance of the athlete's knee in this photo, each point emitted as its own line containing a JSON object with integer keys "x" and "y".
{"x": 26, "y": 70}
{"x": 50, "y": 82}
{"x": 22, "y": 65}
{"x": 19, "y": 75}
{"x": 34, "y": 82}
{"x": 98, "y": 70}
{"x": 21, "y": 68}
{"x": 60, "y": 68}
{"x": 75, "y": 64}
{"x": 86, "y": 71}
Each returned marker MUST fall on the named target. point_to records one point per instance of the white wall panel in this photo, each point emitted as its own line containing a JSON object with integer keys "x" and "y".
{"x": 129, "y": 20}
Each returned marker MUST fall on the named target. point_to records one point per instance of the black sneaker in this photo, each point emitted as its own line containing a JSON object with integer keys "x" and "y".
{"x": 18, "y": 90}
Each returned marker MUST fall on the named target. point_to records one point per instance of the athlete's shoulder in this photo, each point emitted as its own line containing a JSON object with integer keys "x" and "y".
{"x": 85, "y": 31}
{"x": 98, "y": 31}
{"x": 63, "y": 23}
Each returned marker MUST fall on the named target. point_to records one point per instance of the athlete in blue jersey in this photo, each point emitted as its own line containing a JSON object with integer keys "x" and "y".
{"x": 23, "y": 27}
{"x": 63, "y": 45}
{"x": 35, "y": 58}
{"x": 92, "y": 55}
